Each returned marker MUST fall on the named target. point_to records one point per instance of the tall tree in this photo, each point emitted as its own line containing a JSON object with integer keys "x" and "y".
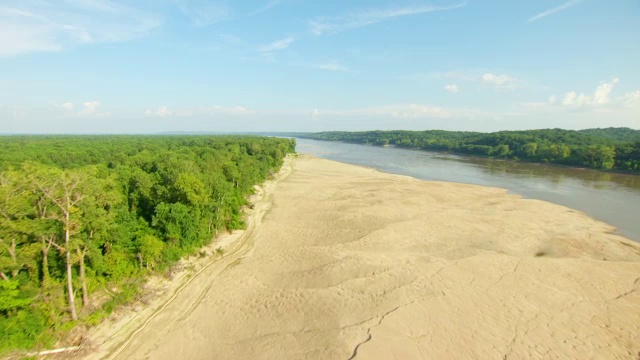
{"x": 14, "y": 208}
{"x": 63, "y": 189}
{"x": 100, "y": 196}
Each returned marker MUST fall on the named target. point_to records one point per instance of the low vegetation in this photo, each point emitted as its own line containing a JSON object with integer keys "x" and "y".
{"x": 84, "y": 218}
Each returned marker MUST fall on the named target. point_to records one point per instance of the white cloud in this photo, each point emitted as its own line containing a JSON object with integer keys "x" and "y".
{"x": 580, "y": 110}
{"x": 601, "y": 96}
{"x": 277, "y": 45}
{"x": 332, "y": 66}
{"x": 89, "y": 108}
{"x": 267, "y": 6}
{"x": 236, "y": 110}
{"x": 500, "y": 81}
{"x": 203, "y": 13}
{"x": 603, "y": 90}
{"x": 420, "y": 111}
{"x": 162, "y": 111}
{"x": 573, "y": 99}
{"x": 451, "y": 75}
{"x": 632, "y": 99}
{"x": 554, "y": 10}
{"x": 451, "y": 88}
{"x": 412, "y": 112}
{"x": 395, "y": 111}
{"x": 584, "y": 110}
{"x": 333, "y": 25}
{"x": 67, "y": 106}
{"x": 533, "y": 105}
{"x": 35, "y": 26}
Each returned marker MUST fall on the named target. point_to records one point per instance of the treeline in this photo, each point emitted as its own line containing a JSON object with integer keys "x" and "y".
{"x": 613, "y": 148}
{"x": 84, "y": 218}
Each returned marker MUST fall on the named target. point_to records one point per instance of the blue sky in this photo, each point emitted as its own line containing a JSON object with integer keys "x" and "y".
{"x": 145, "y": 66}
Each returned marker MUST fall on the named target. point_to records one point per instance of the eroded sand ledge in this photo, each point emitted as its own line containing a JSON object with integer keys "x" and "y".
{"x": 350, "y": 263}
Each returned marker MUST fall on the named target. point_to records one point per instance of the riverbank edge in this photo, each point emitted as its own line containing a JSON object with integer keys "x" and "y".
{"x": 177, "y": 325}
{"x": 159, "y": 289}
{"x": 475, "y": 156}
{"x": 115, "y": 332}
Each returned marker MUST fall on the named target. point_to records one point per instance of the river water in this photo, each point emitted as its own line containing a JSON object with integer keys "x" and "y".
{"x": 609, "y": 197}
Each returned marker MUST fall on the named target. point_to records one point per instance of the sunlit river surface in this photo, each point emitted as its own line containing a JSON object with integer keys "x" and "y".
{"x": 610, "y": 197}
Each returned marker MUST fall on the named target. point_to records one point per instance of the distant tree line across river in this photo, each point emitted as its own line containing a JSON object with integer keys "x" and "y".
{"x": 605, "y": 149}
{"x": 83, "y": 219}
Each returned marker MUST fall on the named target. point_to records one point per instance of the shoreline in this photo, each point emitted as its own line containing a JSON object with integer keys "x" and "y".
{"x": 608, "y": 197}
{"x": 475, "y": 156}
{"x": 113, "y": 335}
{"x": 340, "y": 260}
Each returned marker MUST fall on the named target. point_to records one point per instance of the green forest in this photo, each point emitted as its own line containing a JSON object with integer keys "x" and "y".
{"x": 83, "y": 219}
{"x": 604, "y": 149}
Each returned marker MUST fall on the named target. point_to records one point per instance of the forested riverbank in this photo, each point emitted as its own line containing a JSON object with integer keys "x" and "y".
{"x": 83, "y": 219}
{"x": 604, "y": 149}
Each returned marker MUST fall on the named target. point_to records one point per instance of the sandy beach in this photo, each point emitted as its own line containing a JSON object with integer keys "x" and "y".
{"x": 345, "y": 262}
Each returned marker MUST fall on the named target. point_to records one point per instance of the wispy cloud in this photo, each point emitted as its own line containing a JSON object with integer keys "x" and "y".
{"x": 164, "y": 111}
{"x": 332, "y": 66}
{"x": 499, "y": 81}
{"x": 414, "y": 111}
{"x": 267, "y": 6}
{"x": 234, "y": 111}
{"x": 277, "y": 45}
{"x": 230, "y": 39}
{"x": 482, "y": 77}
{"x": 632, "y": 99}
{"x": 332, "y": 25}
{"x": 203, "y": 13}
{"x": 34, "y": 26}
{"x": 88, "y": 108}
{"x": 392, "y": 111}
{"x": 451, "y": 88}
{"x": 565, "y": 6}
{"x": 451, "y": 75}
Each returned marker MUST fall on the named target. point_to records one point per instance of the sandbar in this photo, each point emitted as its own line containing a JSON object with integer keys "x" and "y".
{"x": 345, "y": 262}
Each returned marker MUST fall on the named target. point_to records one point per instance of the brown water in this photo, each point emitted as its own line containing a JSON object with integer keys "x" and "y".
{"x": 610, "y": 197}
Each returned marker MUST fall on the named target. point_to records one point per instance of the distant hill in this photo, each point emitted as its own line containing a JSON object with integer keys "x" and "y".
{"x": 622, "y": 134}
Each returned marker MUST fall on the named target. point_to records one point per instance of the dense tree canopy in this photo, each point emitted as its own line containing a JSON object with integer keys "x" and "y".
{"x": 613, "y": 148}
{"x": 84, "y": 215}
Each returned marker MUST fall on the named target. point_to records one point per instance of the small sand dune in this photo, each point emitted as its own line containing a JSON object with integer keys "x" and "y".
{"x": 348, "y": 262}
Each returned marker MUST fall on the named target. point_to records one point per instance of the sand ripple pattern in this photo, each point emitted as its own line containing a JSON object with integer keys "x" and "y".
{"x": 350, "y": 263}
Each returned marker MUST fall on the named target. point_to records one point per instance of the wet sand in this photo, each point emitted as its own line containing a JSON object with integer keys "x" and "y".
{"x": 344, "y": 262}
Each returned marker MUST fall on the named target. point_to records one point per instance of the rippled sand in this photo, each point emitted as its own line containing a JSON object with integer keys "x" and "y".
{"x": 345, "y": 262}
